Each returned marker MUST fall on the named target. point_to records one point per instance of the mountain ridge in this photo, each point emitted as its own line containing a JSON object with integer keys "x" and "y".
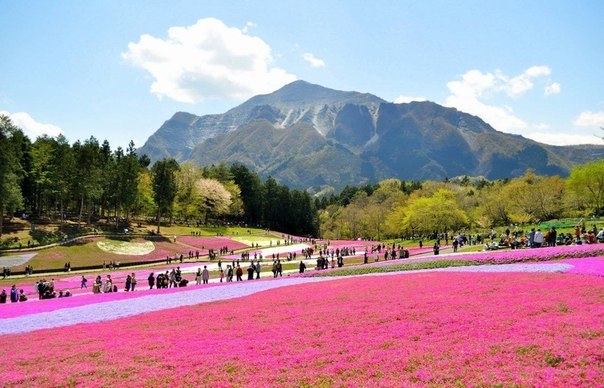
{"x": 306, "y": 135}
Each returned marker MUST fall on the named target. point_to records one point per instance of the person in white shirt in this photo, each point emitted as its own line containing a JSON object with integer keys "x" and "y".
{"x": 538, "y": 239}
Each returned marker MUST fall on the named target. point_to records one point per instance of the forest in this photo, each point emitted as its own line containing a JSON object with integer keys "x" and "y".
{"x": 87, "y": 181}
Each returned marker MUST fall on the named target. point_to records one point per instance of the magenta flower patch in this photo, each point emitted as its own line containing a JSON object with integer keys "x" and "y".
{"x": 422, "y": 329}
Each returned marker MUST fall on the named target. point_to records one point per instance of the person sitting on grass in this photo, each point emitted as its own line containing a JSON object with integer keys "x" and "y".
{"x": 22, "y": 296}
{"x": 14, "y": 295}
{"x": 108, "y": 284}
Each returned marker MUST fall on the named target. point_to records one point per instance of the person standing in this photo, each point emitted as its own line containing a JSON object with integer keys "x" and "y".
{"x": 279, "y": 268}
{"x": 128, "y": 282}
{"x": 553, "y": 237}
{"x": 198, "y": 277}
{"x": 229, "y": 273}
{"x": 172, "y": 277}
{"x": 538, "y": 239}
{"x": 205, "y": 275}
{"x": 250, "y": 271}
{"x": 83, "y": 282}
{"x": 258, "y": 269}
{"x": 531, "y": 238}
{"x": 302, "y": 266}
{"x": 239, "y": 273}
{"x": 151, "y": 280}
{"x": 133, "y": 282}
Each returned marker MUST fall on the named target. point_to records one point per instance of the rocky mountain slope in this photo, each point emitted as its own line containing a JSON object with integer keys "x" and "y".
{"x": 306, "y": 135}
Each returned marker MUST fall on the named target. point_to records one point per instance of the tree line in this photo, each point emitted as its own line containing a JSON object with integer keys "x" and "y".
{"x": 87, "y": 181}
{"x": 395, "y": 209}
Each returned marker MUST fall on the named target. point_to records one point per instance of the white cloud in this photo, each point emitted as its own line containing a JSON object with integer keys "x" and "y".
{"x": 517, "y": 86}
{"x": 31, "y": 127}
{"x": 207, "y": 60}
{"x": 408, "y": 99}
{"x": 562, "y": 139}
{"x": 466, "y": 96}
{"x": 590, "y": 119}
{"x": 313, "y": 61}
{"x": 552, "y": 89}
{"x": 248, "y": 27}
{"x": 470, "y": 93}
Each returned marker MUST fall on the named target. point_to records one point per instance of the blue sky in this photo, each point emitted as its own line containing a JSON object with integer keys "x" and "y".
{"x": 117, "y": 70}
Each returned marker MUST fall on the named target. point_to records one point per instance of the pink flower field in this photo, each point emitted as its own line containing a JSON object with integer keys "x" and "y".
{"x": 408, "y": 329}
{"x": 211, "y": 242}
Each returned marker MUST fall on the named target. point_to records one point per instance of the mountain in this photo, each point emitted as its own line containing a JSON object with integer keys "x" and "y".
{"x": 306, "y": 135}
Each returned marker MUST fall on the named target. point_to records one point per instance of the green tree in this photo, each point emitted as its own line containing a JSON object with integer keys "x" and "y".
{"x": 272, "y": 204}
{"x": 353, "y": 221}
{"x": 252, "y": 193}
{"x": 24, "y": 150}
{"x": 165, "y": 186}
{"x": 438, "y": 213}
{"x": 587, "y": 181}
{"x": 129, "y": 170}
{"x": 10, "y": 193}
{"x": 302, "y": 214}
{"x": 144, "y": 200}
{"x": 88, "y": 183}
{"x": 493, "y": 206}
{"x": 186, "y": 204}
{"x": 62, "y": 174}
{"x": 41, "y": 173}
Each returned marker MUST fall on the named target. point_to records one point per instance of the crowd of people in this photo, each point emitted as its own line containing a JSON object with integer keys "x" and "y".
{"x": 326, "y": 258}
{"x": 15, "y": 295}
{"x": 536, "y": 238}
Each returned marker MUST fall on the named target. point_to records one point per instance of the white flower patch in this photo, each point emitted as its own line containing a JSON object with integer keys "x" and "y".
{"x": 15, "y": 260}
{"x": 126, "y": 248}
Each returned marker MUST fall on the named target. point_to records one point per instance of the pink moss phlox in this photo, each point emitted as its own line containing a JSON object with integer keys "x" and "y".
{"x": 211, "y": 242}
{"x": 424, "y": 329}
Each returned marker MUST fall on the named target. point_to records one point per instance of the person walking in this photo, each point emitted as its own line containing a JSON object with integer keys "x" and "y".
{"x": 205, "y": 275}
{"x": 279, "y": 268}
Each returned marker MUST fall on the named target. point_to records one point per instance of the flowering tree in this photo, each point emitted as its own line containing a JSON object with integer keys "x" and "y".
{"x": 213, "y": 198}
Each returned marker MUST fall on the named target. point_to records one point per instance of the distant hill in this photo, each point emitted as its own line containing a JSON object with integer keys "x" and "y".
{"x": 309, "y": 136}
